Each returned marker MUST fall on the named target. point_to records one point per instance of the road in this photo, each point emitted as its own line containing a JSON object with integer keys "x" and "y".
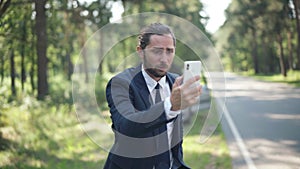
{"x": 261, "y": 122}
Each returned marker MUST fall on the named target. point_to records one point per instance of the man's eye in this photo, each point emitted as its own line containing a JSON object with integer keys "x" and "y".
{"x": 158, "y": 51}
{"x": 169, "y": 51}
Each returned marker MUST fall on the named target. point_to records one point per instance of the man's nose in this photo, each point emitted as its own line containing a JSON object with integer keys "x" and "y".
{"x": 164, "y": 57}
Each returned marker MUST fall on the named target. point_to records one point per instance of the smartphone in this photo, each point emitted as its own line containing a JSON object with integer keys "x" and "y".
{"x": 191, "y": 69}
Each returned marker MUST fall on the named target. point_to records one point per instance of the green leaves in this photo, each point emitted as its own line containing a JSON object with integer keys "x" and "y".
{"x": 251, "y": 36}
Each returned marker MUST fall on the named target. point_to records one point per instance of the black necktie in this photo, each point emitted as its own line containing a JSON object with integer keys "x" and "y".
{"x": 157, "y": 94}
{"x": 164, "y": 158}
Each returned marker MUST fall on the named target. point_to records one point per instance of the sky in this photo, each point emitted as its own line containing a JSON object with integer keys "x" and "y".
{"x": 213, "y": 8}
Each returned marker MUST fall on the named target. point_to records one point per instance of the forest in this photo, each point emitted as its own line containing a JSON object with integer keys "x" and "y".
{"x": 41, "y": 41}
{"x": 261, "y": 36}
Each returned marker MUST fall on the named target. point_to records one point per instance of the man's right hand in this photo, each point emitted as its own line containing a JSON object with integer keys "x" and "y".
{"x": 185, "y": 95}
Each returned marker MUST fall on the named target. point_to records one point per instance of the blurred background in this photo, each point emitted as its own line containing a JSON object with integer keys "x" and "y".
{"x": 41, "y": 40}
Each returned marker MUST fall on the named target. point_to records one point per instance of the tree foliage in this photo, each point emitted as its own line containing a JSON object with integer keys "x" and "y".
{"x": 259, "y": 35}
{"x": 40, "y": 39}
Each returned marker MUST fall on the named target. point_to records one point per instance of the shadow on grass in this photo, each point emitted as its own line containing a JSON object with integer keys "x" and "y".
{"x": 295, "y": 83}
{"x": 42, "y": 158}
{"x": 4, "y": 143}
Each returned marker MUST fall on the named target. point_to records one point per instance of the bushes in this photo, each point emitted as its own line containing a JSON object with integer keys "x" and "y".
{"x": 44, "y": 134}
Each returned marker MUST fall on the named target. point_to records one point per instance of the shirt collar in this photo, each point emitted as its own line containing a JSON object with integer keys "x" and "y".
{"x": 151, "y": 83}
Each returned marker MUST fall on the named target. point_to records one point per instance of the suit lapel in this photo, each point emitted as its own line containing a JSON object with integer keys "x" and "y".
{"x": 170, "y": 80}
{"x": 141, "y": 86}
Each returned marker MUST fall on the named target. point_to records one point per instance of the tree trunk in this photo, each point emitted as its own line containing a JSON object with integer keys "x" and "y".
{"x": 266, "y": 69}
{"x": 4, "y": 6}
{"x": 290, "y": 48}
{"x": 12, "y": 73}
{"x": 296, "y": 5}
{"x": 41, "y": 32}
{"x": 32, "y": 59}
{"x": 281, "y": 56}
{"x": 69, "y": 66}
{"x": 84, "y": 56}
{"x": 232, "y": 62}
{"x": 101, "y": 57}
{"x": 85, "y": 65}
{"x": 2, "y": 69}
{"x": 272, "y": 56}
{"x": 254, "y": 51}
{"x": 23, "y": 72}
{"x": 31, "y": 74}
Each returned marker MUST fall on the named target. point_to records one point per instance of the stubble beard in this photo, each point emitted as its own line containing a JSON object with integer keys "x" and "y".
{"x": 152, "y": 71}
{"x": 155, "y": 72}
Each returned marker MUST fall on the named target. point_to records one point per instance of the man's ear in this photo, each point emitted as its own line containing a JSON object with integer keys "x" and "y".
{"x": 140, "y": 52}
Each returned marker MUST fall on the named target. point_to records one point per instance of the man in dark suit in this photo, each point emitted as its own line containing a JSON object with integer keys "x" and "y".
{"x": 145, "y": 104}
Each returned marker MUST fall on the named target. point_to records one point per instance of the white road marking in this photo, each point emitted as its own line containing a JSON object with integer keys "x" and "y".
{"x": 240, "y": 143}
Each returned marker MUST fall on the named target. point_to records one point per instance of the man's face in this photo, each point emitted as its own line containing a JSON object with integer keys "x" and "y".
{"x": 158, "y": 55}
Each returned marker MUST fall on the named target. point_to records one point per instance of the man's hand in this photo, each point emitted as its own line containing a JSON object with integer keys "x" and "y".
{"x": 185, "y": 95}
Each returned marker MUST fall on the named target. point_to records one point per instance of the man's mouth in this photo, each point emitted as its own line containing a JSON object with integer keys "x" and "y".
{"x": 162, "y": 67}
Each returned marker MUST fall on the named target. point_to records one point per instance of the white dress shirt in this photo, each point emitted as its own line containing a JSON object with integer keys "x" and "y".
{"x": 165, "y": 93}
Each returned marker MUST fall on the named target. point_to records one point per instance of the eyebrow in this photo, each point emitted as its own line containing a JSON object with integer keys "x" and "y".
{"x": 168, "y": 48}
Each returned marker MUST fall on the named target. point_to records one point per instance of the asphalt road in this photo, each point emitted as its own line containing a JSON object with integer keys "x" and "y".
{"x": 261, "y": 122}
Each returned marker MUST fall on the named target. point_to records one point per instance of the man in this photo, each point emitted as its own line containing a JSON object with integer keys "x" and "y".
{"x": 145, "y": 104}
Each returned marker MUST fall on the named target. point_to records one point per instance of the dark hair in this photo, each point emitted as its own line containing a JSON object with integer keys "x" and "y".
{"x": 154, "y": 29}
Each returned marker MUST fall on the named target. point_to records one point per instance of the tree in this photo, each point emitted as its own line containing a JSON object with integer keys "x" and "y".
{"x": 263, "y": 30}
{"x": 4, "y": 4}
{"x": 41, "y": 32}
{"x": 12, "y": 72}
{"x": 297, "y": 17}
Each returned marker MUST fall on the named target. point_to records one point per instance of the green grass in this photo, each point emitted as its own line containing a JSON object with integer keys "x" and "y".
{"x": 44, "y": 134}
{"x": 46, "y": 137}
{"x": 39, "y": 136}
{"x": 293, "y": 77}
{"x": 214, "y": 153}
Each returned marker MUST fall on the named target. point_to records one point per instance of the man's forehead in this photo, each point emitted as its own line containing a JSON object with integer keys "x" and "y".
{"x": 158, "y": 41}
{"x": 154, "y": 36}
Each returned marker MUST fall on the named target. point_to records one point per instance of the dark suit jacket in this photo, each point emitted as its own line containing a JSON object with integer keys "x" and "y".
{"x": 139, "y": 125}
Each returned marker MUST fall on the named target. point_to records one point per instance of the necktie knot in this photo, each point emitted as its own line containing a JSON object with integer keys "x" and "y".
{"x": 157, "y": 94}
{"x": 157, "y": 86}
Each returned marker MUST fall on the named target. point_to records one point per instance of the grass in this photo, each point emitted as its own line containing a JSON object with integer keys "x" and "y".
{"x": 293, "y": 77}
{"x": 51, "y": 138}
{"x": 213, "y": 154}
{"x": 44, "y": 134}
{"x": 46, "y": 137}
